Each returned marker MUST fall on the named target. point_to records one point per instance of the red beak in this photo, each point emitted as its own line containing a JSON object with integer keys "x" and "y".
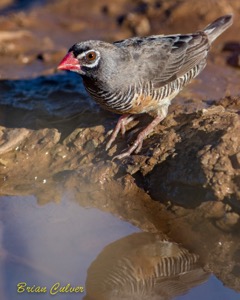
{"x": 70, "y": 63}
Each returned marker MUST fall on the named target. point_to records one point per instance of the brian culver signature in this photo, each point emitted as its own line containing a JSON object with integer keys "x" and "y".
{"x": 55, "y": 289}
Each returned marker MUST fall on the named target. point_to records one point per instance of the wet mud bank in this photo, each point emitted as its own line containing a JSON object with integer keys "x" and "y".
{"x": 190, "y": 165}
{"x": 190, "y": 158}
{"x": 185, "y": 182}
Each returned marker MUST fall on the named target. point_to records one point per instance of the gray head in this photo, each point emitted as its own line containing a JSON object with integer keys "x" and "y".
{"x": 91, "y": 58}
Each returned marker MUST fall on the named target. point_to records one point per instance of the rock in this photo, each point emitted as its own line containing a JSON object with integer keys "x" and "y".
{"x": 11, "y": 138}
{"x": 210, "y": 141}
{"x": 13, "y": 35}
{"x": 234, "y": 57}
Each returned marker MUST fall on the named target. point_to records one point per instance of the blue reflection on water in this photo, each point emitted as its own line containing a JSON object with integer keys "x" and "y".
{"x": 57, "y": 242}
{"x": 21, "y": 5}
{"x": 51, "y": 243}
{"x": 213, "y": 289}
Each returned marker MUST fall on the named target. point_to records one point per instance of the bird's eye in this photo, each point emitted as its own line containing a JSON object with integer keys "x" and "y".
{"x": 91, "y": 56}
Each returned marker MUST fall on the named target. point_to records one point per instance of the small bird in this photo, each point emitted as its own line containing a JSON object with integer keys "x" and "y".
{"x": 141, "y": 74}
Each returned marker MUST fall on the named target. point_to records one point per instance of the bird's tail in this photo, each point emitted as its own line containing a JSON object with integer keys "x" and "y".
{"x": 217, "y": 27}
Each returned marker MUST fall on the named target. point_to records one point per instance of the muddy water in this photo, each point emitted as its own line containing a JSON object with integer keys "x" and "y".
{"x": 66, "y": 216}
{"x": 53, "y": 243}
{"x": 61, "y": 242}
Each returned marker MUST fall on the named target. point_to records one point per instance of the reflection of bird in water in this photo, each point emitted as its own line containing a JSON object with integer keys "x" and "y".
{"x": 143, "y": 266}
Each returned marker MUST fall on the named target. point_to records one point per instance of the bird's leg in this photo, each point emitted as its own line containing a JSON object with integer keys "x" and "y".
{"x": 122, "y": 122}
{"x": 137, "y": 145}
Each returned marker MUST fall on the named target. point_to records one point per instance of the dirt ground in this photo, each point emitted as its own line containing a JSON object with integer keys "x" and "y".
{"x": 53, "y": 136}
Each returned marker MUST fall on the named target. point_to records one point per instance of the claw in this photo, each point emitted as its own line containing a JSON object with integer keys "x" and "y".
{"x": 129, "y": 152}
{"x": 137, "y": 145}
{"x": 122, "y": 122}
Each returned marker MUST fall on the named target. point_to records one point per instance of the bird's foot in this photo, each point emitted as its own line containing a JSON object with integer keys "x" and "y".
{"x": 122, "y": 122}
{"x": 137, "y": 145}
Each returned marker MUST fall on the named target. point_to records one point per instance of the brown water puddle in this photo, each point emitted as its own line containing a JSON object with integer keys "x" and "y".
{"x": 60, "y": 243}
